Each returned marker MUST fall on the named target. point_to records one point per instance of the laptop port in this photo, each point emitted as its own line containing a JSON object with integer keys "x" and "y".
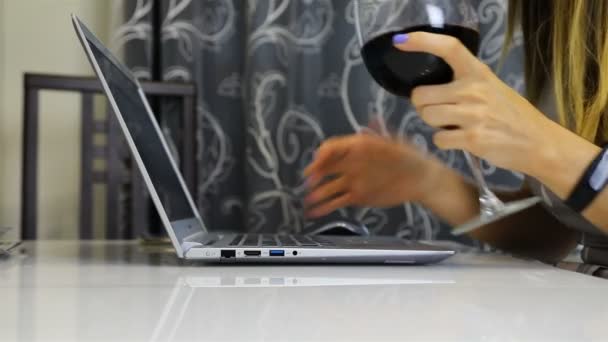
{"x": 228, "y": 253}
{"x": 276, "y": 252}
{"x": 253, "y": 253}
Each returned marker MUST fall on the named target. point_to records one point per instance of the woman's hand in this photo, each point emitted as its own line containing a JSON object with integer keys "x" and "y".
{"x": 490, "y": 119}
{"x": 494, "y": 122}
{"x": 367, "y": 170}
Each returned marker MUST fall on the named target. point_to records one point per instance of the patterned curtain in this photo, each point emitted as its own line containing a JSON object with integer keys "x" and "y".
{"x": 276, "y": 78}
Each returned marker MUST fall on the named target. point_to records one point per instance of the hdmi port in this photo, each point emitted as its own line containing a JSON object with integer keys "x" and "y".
{"x": 253, "y": 253}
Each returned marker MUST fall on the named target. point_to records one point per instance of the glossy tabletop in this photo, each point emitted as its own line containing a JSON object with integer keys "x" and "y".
{"x": 120, "y": 291}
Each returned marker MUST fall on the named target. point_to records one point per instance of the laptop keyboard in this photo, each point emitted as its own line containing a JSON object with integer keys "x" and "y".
{"x": 273, "y": 240}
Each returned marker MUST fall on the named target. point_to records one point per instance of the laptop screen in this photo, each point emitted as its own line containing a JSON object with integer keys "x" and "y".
{"x": 145, "y": 136}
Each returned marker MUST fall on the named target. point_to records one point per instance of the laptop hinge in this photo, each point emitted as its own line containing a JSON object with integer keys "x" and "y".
{"x": 186, "y": 245}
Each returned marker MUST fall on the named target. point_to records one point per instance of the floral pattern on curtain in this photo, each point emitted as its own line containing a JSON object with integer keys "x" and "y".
{"x": 276, "y": 78}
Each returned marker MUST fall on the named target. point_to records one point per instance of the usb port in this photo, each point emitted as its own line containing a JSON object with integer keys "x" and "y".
{"x": 253, "y": 253}
{"x": 277, "y": 252}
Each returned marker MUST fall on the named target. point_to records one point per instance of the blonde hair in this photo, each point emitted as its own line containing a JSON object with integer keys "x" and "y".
{"x": 567, "y": 39}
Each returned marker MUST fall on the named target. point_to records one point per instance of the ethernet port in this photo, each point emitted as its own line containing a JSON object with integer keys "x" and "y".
{"x": 228, "y": 253}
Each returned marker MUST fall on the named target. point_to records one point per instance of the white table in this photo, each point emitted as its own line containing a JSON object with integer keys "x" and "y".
{"x": 119, "y": 291}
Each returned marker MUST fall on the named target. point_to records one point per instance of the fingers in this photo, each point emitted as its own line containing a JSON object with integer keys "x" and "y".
{"x": 327, "y": 198}
{"x": 326, "y": 191}
{"x": 329, "y": 193}
{"x": 447, "y": 116}
{"x": 329, "y": 172}
{"x": 331, "y": 151}
{"x": 334, "y": 204}
{"x": 447, "y": 93}
{"x": 452, "y": 139}
{"x": 449, "y": 48}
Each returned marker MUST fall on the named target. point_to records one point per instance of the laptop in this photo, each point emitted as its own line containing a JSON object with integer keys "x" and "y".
{"x": 178, "y": 213}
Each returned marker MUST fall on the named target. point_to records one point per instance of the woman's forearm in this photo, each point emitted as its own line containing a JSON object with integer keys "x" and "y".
{"x": 533, "y": 232}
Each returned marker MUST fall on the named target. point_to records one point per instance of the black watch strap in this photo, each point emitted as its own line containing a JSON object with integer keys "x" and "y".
{"x": 592, "y": 182}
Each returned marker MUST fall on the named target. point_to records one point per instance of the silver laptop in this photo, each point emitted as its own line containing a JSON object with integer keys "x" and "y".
{"x": 189, "y": 236}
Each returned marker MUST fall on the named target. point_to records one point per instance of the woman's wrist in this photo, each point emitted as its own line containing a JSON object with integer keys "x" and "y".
{"x": 448, "y": 195}
{"x": 560, "y": 163}
{"x": 428, "y": 183}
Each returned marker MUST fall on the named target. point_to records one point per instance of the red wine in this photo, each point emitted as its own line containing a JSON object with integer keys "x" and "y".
{"x": 400, "y": 72}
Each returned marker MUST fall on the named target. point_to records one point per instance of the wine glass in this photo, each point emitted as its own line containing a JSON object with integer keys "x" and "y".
{"x": 399, "y": 72}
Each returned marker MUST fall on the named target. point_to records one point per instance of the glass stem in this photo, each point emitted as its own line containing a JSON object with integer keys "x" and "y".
{"x": 489, "y": 203}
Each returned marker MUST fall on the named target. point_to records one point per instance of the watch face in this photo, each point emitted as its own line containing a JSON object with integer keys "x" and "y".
{"x": 599, "y": 177}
